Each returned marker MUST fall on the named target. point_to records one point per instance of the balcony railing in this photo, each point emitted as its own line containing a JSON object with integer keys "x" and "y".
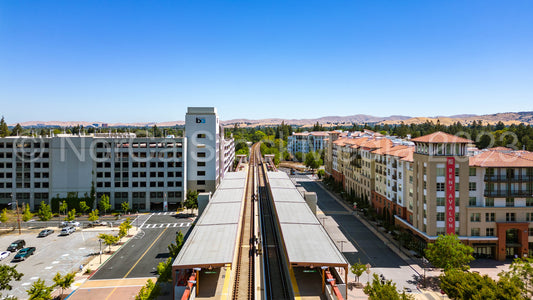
{"x": 508, "y": 193}
{"x": 500, "y": 178}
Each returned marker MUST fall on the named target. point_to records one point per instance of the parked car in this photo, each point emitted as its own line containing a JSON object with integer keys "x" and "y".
{"x": 45, "y": 232}
{"x": 4, "y": 254}
{"x": 16, "y": 245}
{"x": 70, "y": 223}
{"x": 67, "y": 230}
{"x": 24, "y": 253}
{"x": 97, "y": 223}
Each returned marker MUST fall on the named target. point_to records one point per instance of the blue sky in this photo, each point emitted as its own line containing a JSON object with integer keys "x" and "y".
{"x": 140, "y": 61}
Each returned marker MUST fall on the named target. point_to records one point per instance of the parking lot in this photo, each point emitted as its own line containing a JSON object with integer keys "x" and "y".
{"x": 53, "y": 254}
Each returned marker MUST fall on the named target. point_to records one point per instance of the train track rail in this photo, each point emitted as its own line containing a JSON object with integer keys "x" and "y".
{"x": 276, "y": 279}
{"x": 245, "y": 272}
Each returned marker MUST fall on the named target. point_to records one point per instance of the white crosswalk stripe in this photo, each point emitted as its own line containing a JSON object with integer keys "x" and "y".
{"x": 165, "y": 225}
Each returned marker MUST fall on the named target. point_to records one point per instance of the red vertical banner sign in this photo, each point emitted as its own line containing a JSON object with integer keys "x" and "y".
{"x": 450, "y": 195}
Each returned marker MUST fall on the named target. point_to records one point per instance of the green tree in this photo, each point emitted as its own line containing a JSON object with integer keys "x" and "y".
{"x": 447, "y": 252}
{"x": 174, "y": 249}
{"x": 191, "y": 200}
{"x": 93, "y": 215}
{"x": 84, "y": 207}
{"x": 4, "y": 130}
{"x": 26, "y": 213}
{"x": 164, "y": 270}
{"x": 149, "y": 291}
{"x": 63, "y": 207}
{"x": 71, "y": 215}
{"x": 125, "y": 206}
{"x": 104, "y": 203}
{"x": 379, "y": 290}
{"x": 8, "y": 274}
{"x": 321, "y": 173}
{"x": 358, "y": 269}
{"x": 458, "y": 284}
{"x": 64, "y": 282}
{"x": 44, "y": 213}
{"x": 39, "y": 291}
{"x": 3, "y": 216}
{"x": 17, "y": 130}
{"x": 109, "y": 239}
{"x": 522, "y": 269}
{"x": 313, "y": 160}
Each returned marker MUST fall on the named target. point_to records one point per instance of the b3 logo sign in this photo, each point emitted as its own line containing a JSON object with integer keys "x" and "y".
{"x": 200, "y": 120}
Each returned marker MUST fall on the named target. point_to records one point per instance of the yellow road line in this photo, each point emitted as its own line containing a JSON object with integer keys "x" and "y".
{"x": 145, "y": 252}
{"x": 113, "y": 291}
{"x": 294, "y": 285}
{"x": 225, "y": 287}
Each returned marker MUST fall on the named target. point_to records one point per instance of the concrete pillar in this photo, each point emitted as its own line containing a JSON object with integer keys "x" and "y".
{"x": 203, "y": 200}
{"x": 311, "y": 199}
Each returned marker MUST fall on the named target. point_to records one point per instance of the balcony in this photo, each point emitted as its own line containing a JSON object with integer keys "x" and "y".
{"x": 508, "y": 193}
{"x": 500, "y": 178}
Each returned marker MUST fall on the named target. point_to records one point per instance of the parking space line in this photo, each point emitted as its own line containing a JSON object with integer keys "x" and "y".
{"x": 175, "y": 224}
{"x": 181, "y": 225}
{"x": 168, "y": 225}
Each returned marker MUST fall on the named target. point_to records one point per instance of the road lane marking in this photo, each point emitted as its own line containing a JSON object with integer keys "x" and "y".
{"x": 181, "y": 225}
{"x": 174, "y": 225}
{"x": 140, "y": 258}
{"x": 168, "y": 225}
{"x": 47, "y": 268}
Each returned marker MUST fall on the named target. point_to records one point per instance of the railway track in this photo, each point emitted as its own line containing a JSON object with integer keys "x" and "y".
{"x": 245, "y": 271}
{"x": 276, "y": 279}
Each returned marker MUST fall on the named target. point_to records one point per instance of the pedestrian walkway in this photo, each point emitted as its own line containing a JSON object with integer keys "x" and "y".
{"x": 164, "y": 225}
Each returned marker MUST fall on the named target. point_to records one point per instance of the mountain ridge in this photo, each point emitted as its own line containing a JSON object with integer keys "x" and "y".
{"x": 507, "y": 118}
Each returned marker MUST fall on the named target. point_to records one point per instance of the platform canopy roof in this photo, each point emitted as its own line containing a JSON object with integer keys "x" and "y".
{"x": 306, "y": 241}
{"x": 213, "y": 239}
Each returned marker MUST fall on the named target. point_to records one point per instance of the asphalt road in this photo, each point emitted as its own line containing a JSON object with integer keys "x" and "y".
{"x": 368, "y": 247}
{"x": 141, "y": 255}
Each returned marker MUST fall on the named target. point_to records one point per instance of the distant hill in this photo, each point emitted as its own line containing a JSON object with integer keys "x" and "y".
{"x": 507, "y": 118}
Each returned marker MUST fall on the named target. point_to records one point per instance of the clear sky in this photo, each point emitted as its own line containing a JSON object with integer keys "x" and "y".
{"x": 140, "y": 61}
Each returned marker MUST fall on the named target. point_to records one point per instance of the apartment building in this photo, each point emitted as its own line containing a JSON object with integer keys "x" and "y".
{"x": 436, "y": 184}
{"x": 146, "y": 172}
{"x": 306, "y": 142}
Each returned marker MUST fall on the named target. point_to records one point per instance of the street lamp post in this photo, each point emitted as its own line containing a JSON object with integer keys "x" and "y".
{"x": 368, "y": 266}
{"x": 100, "y": 240}
{"x": 324, "y": 268}
{"x": 17, "y": 208}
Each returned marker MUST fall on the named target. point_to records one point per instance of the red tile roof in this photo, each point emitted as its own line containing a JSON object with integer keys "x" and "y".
{"x": 441, "y": 137}
{"x": 498, "y": 159}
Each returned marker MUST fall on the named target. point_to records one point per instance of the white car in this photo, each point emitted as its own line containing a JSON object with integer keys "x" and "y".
{"x": 4, "y": 254}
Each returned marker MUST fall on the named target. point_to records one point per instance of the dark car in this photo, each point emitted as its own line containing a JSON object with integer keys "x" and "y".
{"x": 24, "y": 253}
{"x": 18, "y": 244}
{"x": 45, "y": 232}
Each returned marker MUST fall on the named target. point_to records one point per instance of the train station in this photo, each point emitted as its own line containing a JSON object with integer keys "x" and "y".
{"x": 258, "y": 237}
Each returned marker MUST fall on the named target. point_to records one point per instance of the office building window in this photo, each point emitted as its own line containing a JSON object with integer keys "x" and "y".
{"x": 441, "y": 231}
{"x": 489, "y": 202}
{"x": 200, "y": 182}
{"x": 440, "y": 186}
{"x": 529, "y": 201}
{"x": 529, "y": 217}
{"x": 200, "y": 164}
{"x": 530, "y": 231}
{"x": 472, "y": 186}
{"x": 510, "y": 217}
{"x": 509, "y": 202}
{"x": 475, "y": 217}
{"x": 440, "y": 172}
{"x": 489, "y": 232}
{"x": 472, "y": 171}
{"x": 472, "y": 201}
{"x": 440, "y": 216}
{"x": 474, "y": 232}
{"x": 441, "y": 201}
{"x": 490, "y": 217}
{"x": 200, "y": 173}
{"x": 200, "y": 154}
